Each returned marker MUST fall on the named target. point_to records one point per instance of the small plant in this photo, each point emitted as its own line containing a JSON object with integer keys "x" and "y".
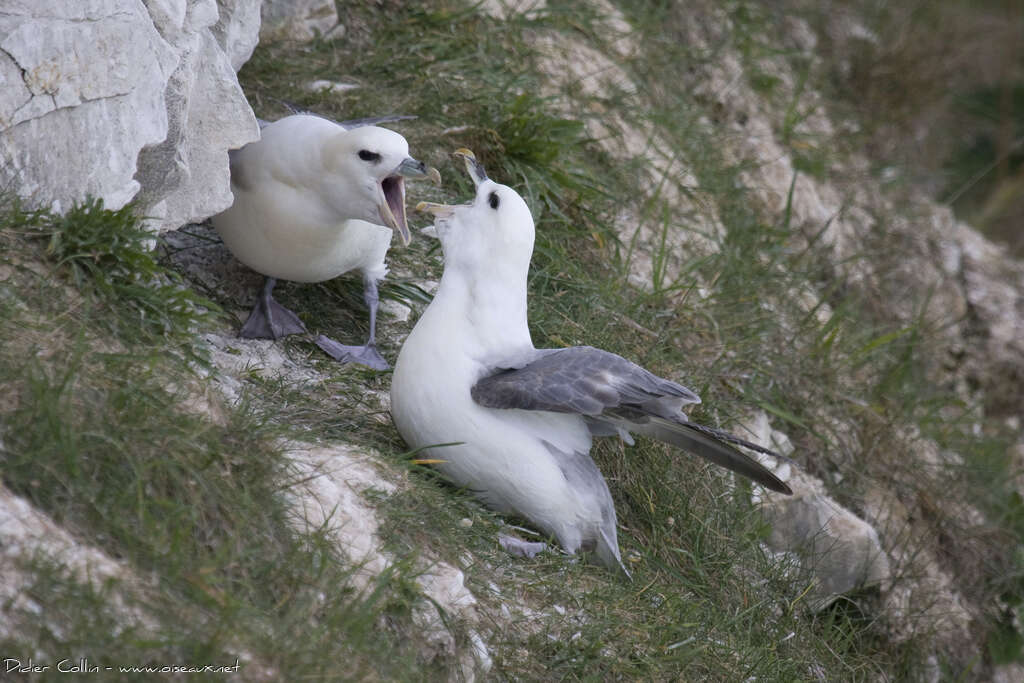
{"x": 112, "y": 252}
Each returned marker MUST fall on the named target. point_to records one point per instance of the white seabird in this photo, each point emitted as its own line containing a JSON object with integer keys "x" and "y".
{"x": 518, "y": 421}
{"x": 313, "y": 200}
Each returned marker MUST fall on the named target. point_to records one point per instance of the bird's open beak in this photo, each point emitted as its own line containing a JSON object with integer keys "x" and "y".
{"x": 436, "y": 210}
{"x": 410, "y": 168}
{"x": 476, "y": 172}
{"x": 473, "y": 167}
{"x": 392, "y": 209}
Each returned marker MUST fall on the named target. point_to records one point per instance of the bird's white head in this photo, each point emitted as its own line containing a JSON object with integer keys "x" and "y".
{"x": 487, "y": 247}
{"x": 493, "y": 233}
{"x": 369, "y": 165}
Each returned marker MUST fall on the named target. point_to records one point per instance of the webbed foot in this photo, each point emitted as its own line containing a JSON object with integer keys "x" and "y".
{"x": 269, "y": 319}
{"x": 363, "y": 355}
{"x": 520, "y": 548}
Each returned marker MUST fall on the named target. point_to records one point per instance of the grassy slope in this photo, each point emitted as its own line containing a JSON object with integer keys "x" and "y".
{"x": 98, "y": 438}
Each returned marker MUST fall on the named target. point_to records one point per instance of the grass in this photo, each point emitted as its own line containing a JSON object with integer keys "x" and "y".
{"x": 97, "y": 434}
{"x": 100, "y": 437}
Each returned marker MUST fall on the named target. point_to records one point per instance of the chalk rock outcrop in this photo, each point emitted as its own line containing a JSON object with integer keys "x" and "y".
{"x": 29, "y": 536}
{"x": 331, "y": 497}
{"x": 107, "y": 98}
{"x": 185, "y": 178}
{"x": 841, "y": 551}
{"x": 238, "y": 29}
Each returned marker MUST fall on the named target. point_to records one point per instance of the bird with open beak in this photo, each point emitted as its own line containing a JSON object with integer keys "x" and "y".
{"x": 313, "y": 200}
{"x": 512, "y": 423}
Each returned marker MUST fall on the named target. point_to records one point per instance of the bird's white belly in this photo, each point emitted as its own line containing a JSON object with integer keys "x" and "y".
{"x": 501, "y": 456}
{"x": 282, "y": 234}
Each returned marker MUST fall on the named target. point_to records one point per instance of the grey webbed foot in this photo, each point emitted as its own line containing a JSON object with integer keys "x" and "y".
{"x": 363, "y": 355}
{"x": 269, "y": 319}
{"x": 520, "y": 548}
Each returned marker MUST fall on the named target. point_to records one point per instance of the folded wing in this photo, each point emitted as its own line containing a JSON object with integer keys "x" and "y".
{"x": 615, "y": 394}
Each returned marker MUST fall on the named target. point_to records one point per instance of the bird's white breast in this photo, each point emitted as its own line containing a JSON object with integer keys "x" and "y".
{"x": 281, "y": 223}
{"x": 501, "y": 455}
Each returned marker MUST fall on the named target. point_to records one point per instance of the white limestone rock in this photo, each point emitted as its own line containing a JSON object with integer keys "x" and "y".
{"x": 238, "y": 29}
{"x": 82, "y": 93}
{"x": 842, "y": 550}
{"x": 332, "y": 87}
{"x": 28, "y": 535}
{"x": 86, "y": 87}
{"x": 186, "y": 178}
{"x": 332, "y": 494}
{"x": 334, "y": 482}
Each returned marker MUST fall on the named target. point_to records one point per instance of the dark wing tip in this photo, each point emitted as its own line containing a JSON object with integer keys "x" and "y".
{"x": 697, "y": 440}
{"x": 785, "y": 489}
{"x": 723, "y": 435}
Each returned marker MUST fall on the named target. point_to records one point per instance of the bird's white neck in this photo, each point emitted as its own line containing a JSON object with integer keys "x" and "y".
{"x": 489, "y": 306}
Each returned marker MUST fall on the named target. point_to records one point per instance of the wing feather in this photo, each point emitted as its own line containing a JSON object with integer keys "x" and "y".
{"x": 579, "y": 379}
{"x": 608, "y": 389}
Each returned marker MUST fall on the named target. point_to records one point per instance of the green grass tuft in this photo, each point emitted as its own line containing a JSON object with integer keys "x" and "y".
{"x": 111, "y": 253}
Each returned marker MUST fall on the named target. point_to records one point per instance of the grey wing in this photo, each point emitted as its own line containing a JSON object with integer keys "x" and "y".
{"x": 579, "y": 379}
{"x": 697, "y": 440}
{"x": 351, "y": 123}
{"x": 374, "y": 120}
{"x": 614, "y": 393}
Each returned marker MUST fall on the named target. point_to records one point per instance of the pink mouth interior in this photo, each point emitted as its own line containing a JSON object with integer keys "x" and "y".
{"x": 394, "y": 195}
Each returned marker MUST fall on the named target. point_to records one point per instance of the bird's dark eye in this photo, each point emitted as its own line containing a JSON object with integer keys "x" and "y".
{"x": 367, "y": 155}
{"x": 493, "y": 200}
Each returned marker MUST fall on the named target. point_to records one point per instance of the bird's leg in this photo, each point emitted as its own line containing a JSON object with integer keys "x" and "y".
{"x": 520, "y": 548}
{"x": 269, "y": 319}
{"x": 364, "y": 355}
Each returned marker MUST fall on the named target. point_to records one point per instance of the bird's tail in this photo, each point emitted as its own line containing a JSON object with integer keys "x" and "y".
{"x": 714, "y": 445}
{"x": 608, "y": 550}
